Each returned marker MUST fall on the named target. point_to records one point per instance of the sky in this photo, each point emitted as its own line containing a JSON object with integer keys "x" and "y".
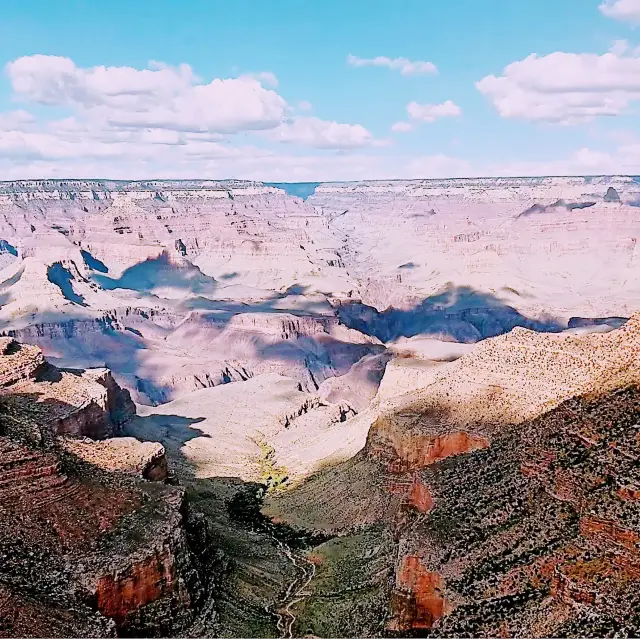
{"x": 319, "y": 90}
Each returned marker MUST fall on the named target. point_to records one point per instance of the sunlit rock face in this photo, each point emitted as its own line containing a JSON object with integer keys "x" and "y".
{"x": 180, "y": 285}
{"x": 439, "y": 373}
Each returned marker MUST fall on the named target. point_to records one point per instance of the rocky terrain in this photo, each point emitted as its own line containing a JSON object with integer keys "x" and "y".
{"x": 481, "y": 514}
{"x": 93, "y": 541}
{"x": 389, "y": 408}
{"x": 141, "y": 275}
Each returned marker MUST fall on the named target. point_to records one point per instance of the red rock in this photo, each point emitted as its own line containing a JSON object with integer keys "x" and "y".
{"x": 405, "y": 450}
{"x": 121, "y": 594}
{"x": 420, "y": 497}
{"x": 629, "y": 493}
{"x": 417, "y": 601}
{"x": 602, "y": 529}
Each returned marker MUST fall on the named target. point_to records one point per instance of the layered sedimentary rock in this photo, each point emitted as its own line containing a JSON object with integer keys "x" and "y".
{"x": 89, "y": 547}
{"x": 333, "y": 350}
{"x": 564, "y": 255}
{"x": 140, "y": 275}
{"x": 57, "y": 402}
{"x": 512, "y": 507}
{"x": 505, "y": 380}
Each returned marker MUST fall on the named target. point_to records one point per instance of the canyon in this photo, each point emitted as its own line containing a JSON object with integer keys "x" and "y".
{"x": 401, "y": 408}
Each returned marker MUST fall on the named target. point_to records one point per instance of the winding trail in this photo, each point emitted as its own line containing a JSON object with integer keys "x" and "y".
{"x": 296, "y": 592}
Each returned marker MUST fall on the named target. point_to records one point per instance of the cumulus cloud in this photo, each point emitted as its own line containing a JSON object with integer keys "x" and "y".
{"x": 401, "y": 127}
{"x": 405, "y": 66}
{"x": 153, "y": 115}
{"x": 431, "y": 112}
{"x": 565, "y": 88}
{"x": 625, "y": 10}
{"x": 323, "y": 134}
{"x": 619, "y": 47}
{"x": 264, "y": 77}
{"x": 305, "y": 105}
{"x": 159, "y": 97}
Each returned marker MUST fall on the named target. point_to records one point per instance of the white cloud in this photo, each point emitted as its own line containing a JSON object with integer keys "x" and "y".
{"x": 15, "y": 120}
{"x": 623, "y": 160}
{"x": 405, "y": 66}
{"x": 431, "y": 112}
{"x": 323, "y": 134}
{"x": 264, "y": 77}
{"x": 402, "y": 127}
{"x": 625, "y": 10}
{"x": 619, "y": 47}
{"x": 158, "y": 97}
{"x": 565, "y": 88}
{"x": 304, "y": 105}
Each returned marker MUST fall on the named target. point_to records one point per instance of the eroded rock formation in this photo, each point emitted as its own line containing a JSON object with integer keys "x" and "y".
{"x": 88, "y": 547}
{"x": 512, "y": 513}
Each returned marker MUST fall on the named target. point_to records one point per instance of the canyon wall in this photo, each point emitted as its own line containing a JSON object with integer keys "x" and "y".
{"x": 93, "y": 541}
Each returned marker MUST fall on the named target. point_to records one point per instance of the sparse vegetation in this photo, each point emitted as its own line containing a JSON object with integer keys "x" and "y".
{"x": 271, "y": 474}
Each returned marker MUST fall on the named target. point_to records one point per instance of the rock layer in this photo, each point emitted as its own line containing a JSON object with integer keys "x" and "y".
{"x": 88, "y": 547}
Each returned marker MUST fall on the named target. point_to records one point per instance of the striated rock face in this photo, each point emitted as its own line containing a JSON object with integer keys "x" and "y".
{"x": 88, "y": 546}
{"x": 141, "y": 276}
{"x": 417, "y": 601}
{"x": 122, "y": 595}
{"x": 183, "y": 287}
{"x": 531, "y": 535}
{"x": 84, "y": 403}
{"x": 416, "y": 495}
{"x": 509, "y": 486}
{"x": 116, "y": 549}
{"x": 19, "y": 362}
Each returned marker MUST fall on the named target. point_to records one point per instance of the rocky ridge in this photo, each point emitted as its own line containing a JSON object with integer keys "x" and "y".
{"x": 89, "y": 547}
{"x": 508, "y": 512}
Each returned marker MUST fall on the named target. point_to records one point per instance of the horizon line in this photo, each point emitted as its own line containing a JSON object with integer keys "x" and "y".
{"x": 274, "y": 182}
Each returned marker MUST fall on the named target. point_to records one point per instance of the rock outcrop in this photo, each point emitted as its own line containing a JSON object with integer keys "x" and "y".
{"x": 505, "y": 380}
{"x": 512, "y": 506}
{"x": 58, "y": 402}
{"x": 92, "y": 541}
{"x": 612, "y": 195}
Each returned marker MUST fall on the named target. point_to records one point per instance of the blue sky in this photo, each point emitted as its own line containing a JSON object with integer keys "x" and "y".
{"x": 300, "y": 90}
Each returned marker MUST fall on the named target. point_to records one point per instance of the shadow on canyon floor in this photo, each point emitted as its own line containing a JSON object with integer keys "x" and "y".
{"x": 124, "y": 341}
{"x": 159, "y": 272}
{"x": 459, "y": 313}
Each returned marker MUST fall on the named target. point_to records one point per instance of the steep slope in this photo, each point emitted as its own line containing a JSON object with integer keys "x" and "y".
{"x": 484, "y": 510}
{"x": 88, "y": 547}
{"x": 537, "y": 535}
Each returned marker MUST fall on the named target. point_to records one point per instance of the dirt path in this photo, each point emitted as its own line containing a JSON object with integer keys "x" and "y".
{"x": 296, "y": 592}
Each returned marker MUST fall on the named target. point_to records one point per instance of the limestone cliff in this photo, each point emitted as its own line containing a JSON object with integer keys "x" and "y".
{"x": 508, "y": 483}
{"x": 89, "y": 546}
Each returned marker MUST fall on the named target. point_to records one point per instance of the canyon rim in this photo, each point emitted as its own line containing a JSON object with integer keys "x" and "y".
{"x": 320, "y": 319}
